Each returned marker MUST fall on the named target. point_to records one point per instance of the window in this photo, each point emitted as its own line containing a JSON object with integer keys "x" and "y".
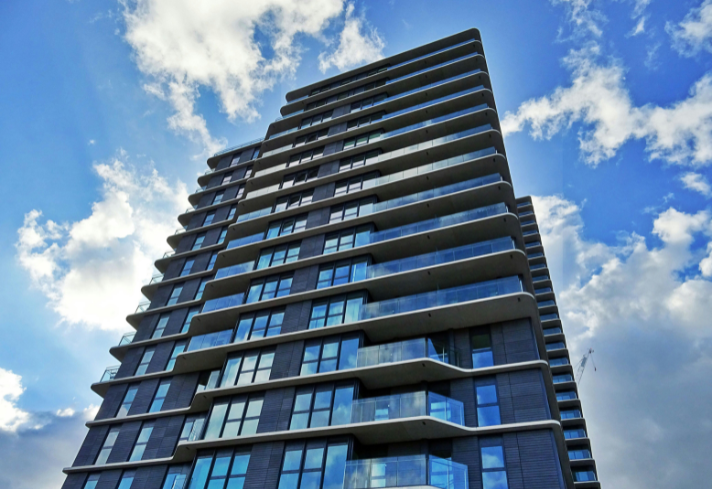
{"x": 300, "y": 178}
{"x": 241, "y": 188}
{"x": 305, "y": 156}
{"x": 570, "y": 413}
{"x": 248, "y": 170}
{"x": 342, "y": 272}
{"x": 175, "y": 294}
{"x": 308, "y": 468}
{"x": 160, "y": 396}
{"x": 355, "y": 184}
{"x": 554, "y": 330}
{"x": 329, "y": 354}
{"x": 187, "y": 267}
{"x": 494, "y": 475}
{"x": 208, "y": 380}
{"x": 579, "y": 454}
{"x": 92, "y": 481}
{"x": 487, "y": 403}
{"x": 227, "y": 178}
{"x": 566, "y": 396}
{"x": 296, "y": 200}
{"x": 209, "y": 218}
{"x": 221, "y": 238}
{"x": 198, "y": 243}
{"x": 177, "y": 350}
{"x": 287, "y": 226}
{"x": 364, "y": 121}
{"x": 336, "y": 310}
{"x": 141, "y": 441}
{"x": 145, "y": 360}
{"x": 362, "y": 139}
{"x": 186, "y": 324}
{"x": 322, "y": 405}
{"x": 109, "y": 442}
{"x": 234, "y": 417}
{"x": 218, "y": 197}
{"x": 213, "y": 258}
{"x": 129, "y": 397}
{"x": 216, "y": 469}
{"x": 369, "y": 102}
{"x": 577, "y": 433}
{"x": 558, "y": 345}
{"x": 558, "y": 361}
{"x": 247, "y": 368}
{"x": 272, "y": 257}
{"x": 310, "y": 138}
{"x": 201, "y": 288}
{"x": 269, "y": 288}
{"x": 259, "y": 325}
{"x": 176, "y": 477}
{"x": 316, "y": 119}
{"x": 192, "y": 428}
{"x": 481, "y": 350}
{"x": 160, "y": 326}
{"x": 231, "y": 213}
{"x": 358, "y": 160}
{"x": 584, "y": 475}
{"x": 347, "y": 239}
{"x": 126, "y": 479}
{"x": 352, "y": 210}
{"x": 210, "y": 340}
{"x": 558, "y": 379}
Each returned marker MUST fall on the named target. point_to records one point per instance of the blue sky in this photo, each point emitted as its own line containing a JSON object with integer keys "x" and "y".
{"x": 108, "y": 111}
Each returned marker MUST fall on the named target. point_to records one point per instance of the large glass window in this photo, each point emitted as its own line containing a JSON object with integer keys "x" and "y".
{"x": 231, "y": 417}
{"x": 218, "y": 197}
{"x": 354, "y": 184}
{"x": 186, "y": 324}
{"x": 227, "y": 178}
{"x": 364, "y": 121}
{"x": 292, "y": 201}
{"x": 187, "y": 266}
{"x": 176, "y": 477}
{"x": 127, "y": 479}
{"x": 362, "y": 139}
{"x": 141, "y": 441}
{"x": 305, "y": 156}
{"x": 351, "y": 210}
{"x": 221, "y": 238}
{"x": 584, "y": 475}
{"x": 329, "y": 354}
{"x": 177, "y": 350}
{"x": 259, "y": 324}
{"x": 358, "y": 160}
{"x": 368, "y": 102}
{"x": 494, "y": 475}
{"x": 209, "y": 218}
{"x": 108, "y": 444}
{"x": 224, "y": 469}
{"x": 128, "y": 400}
{"x": 315, "y": 466}
{"x": 347, "y": 239}
{"x": 92, "y": 480}
{"x": 231, "y": 213}
{"x": 192, "y": 428}
{"x": 570, "y": 413}
{"x": 213, "y": 259}
{"x": 247, "y": 368}
{"x": 287, "y": 226}
{"x": 576, "y": 433}
{"x": 310, "y": 138}
{"x": 198, "y": 243}
{"x": 481, "y": 349}
{"x": 487, "y": 403}
{"x": 241, "y": 188}
{"x": 316, "y": 119}
{"x": 558, "y": 361}
{"x": 201, "y": 288}
{"x": 145, "y": 360}
{"x": 160, "y": 395}
{"x": 175, "y": 295}
{"x": 300, "y": 177}
{"x": 566, "y": 396}
{"x": 269, "y": 288}
{"x": 336, "y": 310}
{"x": 279, "y": 255}
{"x": 342, "y": 272}
{"x": 558, "y": 345}
{"x": 160, "y": 326}
{"x": 322, "y": 405}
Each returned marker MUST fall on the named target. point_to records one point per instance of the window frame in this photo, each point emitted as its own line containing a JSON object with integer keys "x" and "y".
{"x": 255, "y": 364}
{"x": 314, "y": 351}
{"x": 242, "y": 419}
{"x": 159, "y": 396}
{"x": 328, "y": 303}
{"x": 483, "y": 409}
{"x": 130, "y": 391}
{"x": 145, "y": 361}
{"x": 243, "y": 332}
{"x": 144, "y": 435}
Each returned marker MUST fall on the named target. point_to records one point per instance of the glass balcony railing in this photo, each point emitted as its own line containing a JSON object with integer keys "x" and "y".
{"x": 238, "y": 269}
{"x": 405, "y": 350}
{"x": 156, "y": 279}
{"x": 168, "y": 254}
{"x": 548, "y": 317}
{"x": 408, "y": 406}
{"x": 241, "y": 145}
{"x": 180, "y": 230}
{"x": 540, "y": 278}
{"x": 109, "y": 373}
{"x": 407, "y": 471}
{"x": 142, "y": 307}
{"x": 245, "y": 240}
{"x": 223, "y": 302}
{"x": 444, "y": 297}
{"x": 546, "y": 303}
{"x": 127, "y": 338}
{"x": 530, "y": 232}
{"x": 200, "y": 189}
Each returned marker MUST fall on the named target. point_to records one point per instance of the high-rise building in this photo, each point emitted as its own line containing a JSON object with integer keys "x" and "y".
{"x": 356, "y": 301}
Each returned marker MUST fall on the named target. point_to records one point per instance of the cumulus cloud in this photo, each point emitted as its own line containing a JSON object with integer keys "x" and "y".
{"x": 694, "y": 33}
{"x": 599, "y": 100}
{"x": 639, "y": 27}
{"x": 696, "y": 182}
{"x": 91, "y": 270}
{"x": 582, "y": 16}
{"x": 644, "y": 309}
{"x": 236, "y": 51}
{"x": 355, "y": 46}
{"x": 11, "y": 416}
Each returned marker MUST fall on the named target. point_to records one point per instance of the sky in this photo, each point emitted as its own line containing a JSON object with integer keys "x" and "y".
{"x": 109, "y": 109}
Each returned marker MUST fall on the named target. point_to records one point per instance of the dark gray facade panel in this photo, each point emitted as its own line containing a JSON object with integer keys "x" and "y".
{"x": 282, "y": 361}
{"x": 196, "y": 220}
{"x": 174, "y": 268}
{"x": 294, "y": 317}
{"x": 318, "y": 217}
{"x": 224, "y": 162}
{"x": 160, "y": 297}
{"x": 305, "y": 279}
{"x": 175, "y": 322}
{"x": 91, "y": 446}
{"x": 109, "y": 479}
{"x": 327, "y": 169}
{"x": 74, "y": 481}
{"x": 160, "y": 357}
{"x": 322, "y": 192}
{"x": 463, "y": 390}
{"x": 144, "y": 396}
{"x": 130, "y": 362}
{"x": 265, "y": 464}
{"x": 539, "y": 459}
{"x": 149, "y": 477}
{"x": 311, "y": 246}
{"x": 467, "y": 452}
{"x": 180, "y": 393}
{"x": 190, "y": 287}
{"x": 124, "y": 442}
{"x": 112, "y": 400}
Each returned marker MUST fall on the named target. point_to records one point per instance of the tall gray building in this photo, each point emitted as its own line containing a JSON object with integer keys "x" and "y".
{"x": 356, "y": 301}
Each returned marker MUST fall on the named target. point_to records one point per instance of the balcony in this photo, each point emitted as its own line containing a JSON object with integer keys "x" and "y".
{"x": 405, "y": 350}
{"x": 408, "y": 471}
{"x": 109, "y": 373}
{"x": 142, "y": 307}
{"x": 156, "y": 279}
{"x": 200, "y": 189}
{"x": 127, "y": 338}
{"x": 408, "y": 406}
{"x": 241, "y": 145}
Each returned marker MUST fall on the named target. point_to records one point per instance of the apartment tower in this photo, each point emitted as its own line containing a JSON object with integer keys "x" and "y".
{"x": 355, "y": 301}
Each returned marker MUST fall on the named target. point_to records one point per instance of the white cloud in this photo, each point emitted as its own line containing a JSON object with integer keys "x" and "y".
{"x": 355, "y": 46}
{"x": 694, "y": 33}
{"x": 237, "y": 51}
{"x": 11, "y": 416}
{"x": 64, "y": 413}
{"x": 697, "y": 182}
{"x": 600, "y": 101}
{"x": 92, "y": 270}
{"x": 583, "y": 18}
{"x": 645, "y": 311}
{"x": 639, "y": 27}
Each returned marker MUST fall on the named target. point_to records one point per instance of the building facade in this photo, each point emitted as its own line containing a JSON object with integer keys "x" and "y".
{"x": 356, "y": 301}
